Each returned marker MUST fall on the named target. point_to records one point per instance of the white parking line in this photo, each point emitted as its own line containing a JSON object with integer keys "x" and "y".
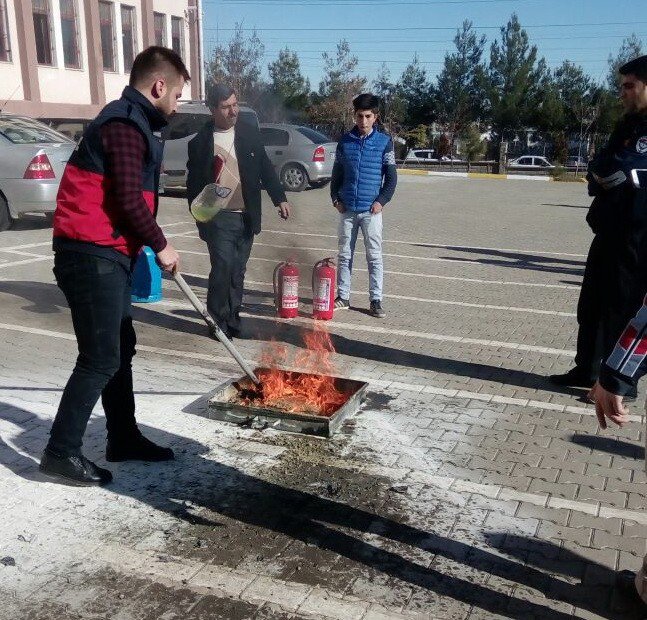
{"x": 376, "y": 329}
{"x": 25, "y": 262}
{"x": 425, "y": 300}
{"x": 330, "y": 252}
{"x": 375, "y": 383}
{"x": 433, "y": 259}
{"x": 445, "y": 302}
{"x": 419, "y": 275}
{"x": 40, "y": 244}
{"x": 448, "y": 246}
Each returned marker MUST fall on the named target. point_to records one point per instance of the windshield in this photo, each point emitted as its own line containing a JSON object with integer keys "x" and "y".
{"x": 29, "y": 131}
{"x": 315, "y": 136}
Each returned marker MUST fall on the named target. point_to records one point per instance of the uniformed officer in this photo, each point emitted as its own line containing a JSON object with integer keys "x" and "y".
{"x": 615, "y": 279}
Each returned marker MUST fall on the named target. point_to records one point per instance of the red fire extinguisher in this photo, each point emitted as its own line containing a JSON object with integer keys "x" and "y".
{"x": 323, "y": 289}
{"x": 286, "y": 290}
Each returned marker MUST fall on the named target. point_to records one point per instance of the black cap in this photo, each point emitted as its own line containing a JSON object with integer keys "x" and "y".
{"x": 637, "y": 67}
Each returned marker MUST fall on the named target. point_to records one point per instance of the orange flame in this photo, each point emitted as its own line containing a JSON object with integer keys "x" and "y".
{"x": 312, "y": 389}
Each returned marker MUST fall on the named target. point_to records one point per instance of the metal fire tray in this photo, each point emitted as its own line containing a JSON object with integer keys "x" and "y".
{"x": 225, "y": 405}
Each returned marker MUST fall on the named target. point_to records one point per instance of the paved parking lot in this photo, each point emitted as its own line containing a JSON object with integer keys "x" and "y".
{"x": 467, "y": 487}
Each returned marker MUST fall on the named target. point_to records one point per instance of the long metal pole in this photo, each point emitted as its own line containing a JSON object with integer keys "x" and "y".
{"x": 202, "y": 309}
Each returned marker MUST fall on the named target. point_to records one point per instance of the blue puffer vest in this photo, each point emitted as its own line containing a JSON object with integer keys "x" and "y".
{"x": 362, "y": 161}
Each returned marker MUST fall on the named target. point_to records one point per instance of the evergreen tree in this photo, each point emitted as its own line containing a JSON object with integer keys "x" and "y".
{"x": 415, "y": 91}
{"x": 513, "y": 80}
{"x": 459, "y": 90}
{"x": 631, "y": 48}
{"x": 332, "y": 108}
{"x": 392, "y": 106}
{"x": 286, "y": 78}
{"x": 472, "y": 147}
{"x": 238, "y": 64}
{"x": 576, "y": 91}
{"x": 286, "y": 97}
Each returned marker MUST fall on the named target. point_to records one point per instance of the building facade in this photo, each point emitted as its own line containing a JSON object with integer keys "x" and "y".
{"x": 64, "y": 59}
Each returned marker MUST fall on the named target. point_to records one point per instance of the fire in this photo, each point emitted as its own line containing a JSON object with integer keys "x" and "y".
{"x": 311, "y": 390}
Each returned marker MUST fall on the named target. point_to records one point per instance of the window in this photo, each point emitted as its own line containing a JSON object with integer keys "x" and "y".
{"x": 128, "y": 35}
{"x": 5, "y": 49}
{"x": 28, "y": 131}
{"x": 182, "y": 125}
{"x": 71, "y": 56}
{"x": 314, "y": 136}
{"x": 159, "y": 25}
{"x": 107, "y": 26}
{"x": 177, "y": 35}
{"x": 43, "y": 31}
{"x": 274, "y": 137}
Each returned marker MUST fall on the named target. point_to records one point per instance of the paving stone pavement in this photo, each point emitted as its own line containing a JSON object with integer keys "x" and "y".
{"x": 466, "y": 487}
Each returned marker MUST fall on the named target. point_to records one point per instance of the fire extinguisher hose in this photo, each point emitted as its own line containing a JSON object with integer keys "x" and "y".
{"x": 202, "y": 310}
{"x": 275, "y": 283}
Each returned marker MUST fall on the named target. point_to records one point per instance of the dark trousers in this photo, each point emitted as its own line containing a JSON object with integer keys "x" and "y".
{"x": 609, "y": 298}
{"x": 98, "y": 294}
{"x": 230, "y": 243}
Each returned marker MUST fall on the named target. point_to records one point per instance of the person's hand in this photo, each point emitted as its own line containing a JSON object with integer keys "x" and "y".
{"x": 284, "y": 210}
{"x": 168, "y": 259}
{"x": 339, "y": 205}
{"x": 608, "y": 405}
{"x": 376, "y": 207}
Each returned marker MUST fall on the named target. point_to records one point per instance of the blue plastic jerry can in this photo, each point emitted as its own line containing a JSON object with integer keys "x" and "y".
{"x": 147, "y": 278}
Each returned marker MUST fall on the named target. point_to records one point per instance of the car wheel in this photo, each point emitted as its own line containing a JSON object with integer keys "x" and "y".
{"x": 294, "y": 178}
{"x": 5, "y": 218}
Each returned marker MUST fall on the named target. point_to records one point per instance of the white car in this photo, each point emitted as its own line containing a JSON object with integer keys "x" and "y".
{"x": 530, "y": 162}
{"x": 421, "y": 155}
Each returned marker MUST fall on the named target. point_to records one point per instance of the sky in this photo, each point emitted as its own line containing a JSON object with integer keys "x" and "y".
{"x": 392, "y": 31}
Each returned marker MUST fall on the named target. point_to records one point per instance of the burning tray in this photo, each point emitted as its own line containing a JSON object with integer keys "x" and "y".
{"x": 235, "y": 401}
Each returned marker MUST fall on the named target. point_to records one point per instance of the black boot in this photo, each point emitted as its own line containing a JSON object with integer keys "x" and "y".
{"x": 76, "y": 470}
{"x": 573, "y": 378}
{"x": 136, "y": 448}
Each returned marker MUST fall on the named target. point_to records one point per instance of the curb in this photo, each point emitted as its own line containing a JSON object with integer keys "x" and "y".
{"x": 473, "y": 175}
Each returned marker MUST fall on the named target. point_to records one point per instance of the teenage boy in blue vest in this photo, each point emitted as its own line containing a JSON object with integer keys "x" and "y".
{"x": 363, "y": 181}
{"x": 105, "y": 213}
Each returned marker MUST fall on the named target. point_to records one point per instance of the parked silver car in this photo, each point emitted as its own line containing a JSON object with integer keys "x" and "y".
{"x": 300, "y": 155}
{"x": 32, "y": 160}
{"x": 183, "y": 125}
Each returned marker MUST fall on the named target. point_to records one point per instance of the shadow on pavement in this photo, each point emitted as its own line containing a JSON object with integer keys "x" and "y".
{"x": 517, "y": 260}
{"x": 226, "y": 497}
{"x": 46, "y": 298}
{"x": 610, "y": 445}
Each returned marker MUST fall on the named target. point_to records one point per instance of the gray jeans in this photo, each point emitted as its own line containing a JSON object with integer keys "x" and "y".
{"x": 350, "y": 224}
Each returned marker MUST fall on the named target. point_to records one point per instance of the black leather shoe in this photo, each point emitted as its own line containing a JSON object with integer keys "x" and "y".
{"x": 626, "y": 583}
{"x": 137, "y": 448}
{"x": 75, "y": 470}
{"x": 572, "y": 378}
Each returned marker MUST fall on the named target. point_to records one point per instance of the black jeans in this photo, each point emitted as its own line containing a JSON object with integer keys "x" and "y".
{"x": 98, "y": 293}
{"x": 229, "y": 241}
